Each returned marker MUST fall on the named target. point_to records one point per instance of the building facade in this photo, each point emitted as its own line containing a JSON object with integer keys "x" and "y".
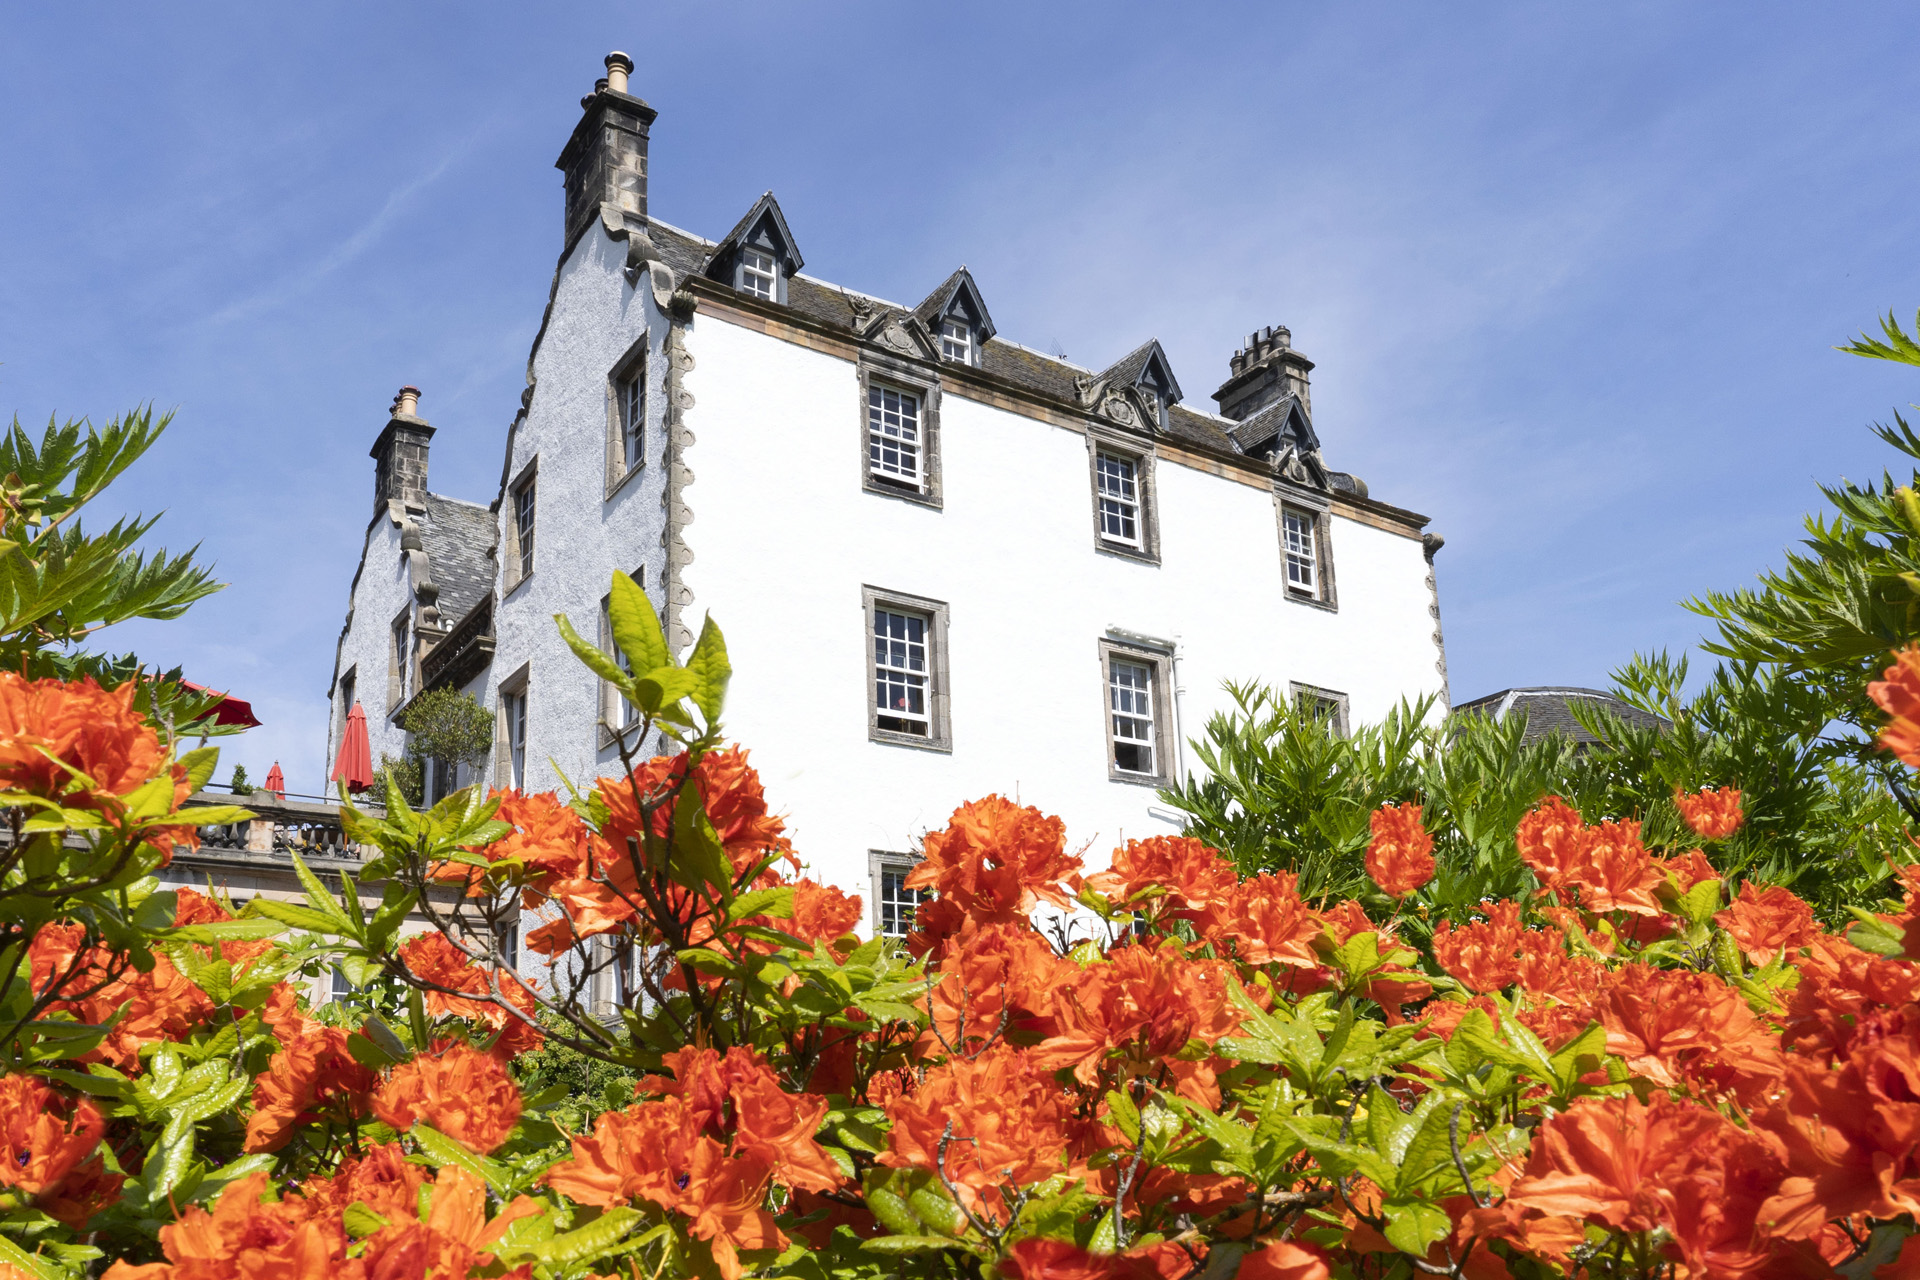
{"x": 945, "y": 564}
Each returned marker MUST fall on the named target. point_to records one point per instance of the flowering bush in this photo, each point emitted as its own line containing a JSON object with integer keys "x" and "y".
{"x": 1159, "y": 1070}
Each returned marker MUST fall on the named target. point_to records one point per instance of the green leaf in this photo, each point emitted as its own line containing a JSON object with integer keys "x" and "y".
{"x": 893, "y": 1245}
{"x": 31, "y": 1263}
{"x": 442, "y": 1150}
{"x": 1872, "y": 934}
{"x": 1699, "y": 903}
{"x": 697, "y": 858}
{"x": 603, "y": 666}
{"x": 1414, "y": 1226}
{"x": 635, "y": 626}
{"x": 776, "y": 903}
{"x": 299, "y": 917}
{"x": 590, "y": 1241}
{"x": 709, "y": 666}
{"x": 199, "y": 764}
{"x": 664, "y": 686}
{"x": 361, "y": 1221}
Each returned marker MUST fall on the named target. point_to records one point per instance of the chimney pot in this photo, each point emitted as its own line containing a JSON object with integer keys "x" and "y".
{"x": 407, "y": 403}
{"x": 619, "y": 67}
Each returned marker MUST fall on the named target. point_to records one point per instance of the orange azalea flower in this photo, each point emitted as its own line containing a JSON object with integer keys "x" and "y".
{"x": 52, "y": 730}
{"x": 1484, "y": 956}
{"x": 1605, "y": 866}
{"x": 995, "y": 862}
{"x": 1767, "y": 920}
{"x": 1714, "y": 812}
{"x": 738, "y": 1099}
{"x": 1678, "y": 1028}
{"x": 1392, "y": 985}
{"x": 821, "y": 913}
{"x": 730, "y": 792}
{"x": 1626, "y": 1166}
{"x": 996, "y": 977}
{"x": 313, "y": 1077}
{"x": 1284, "y": 1261}
{"x": 453, "y": 1239}
{"x": 460, "y": 1091}
{"x": 1166, "y": 876}
{"x": 161, "y": 1004}
{"x": 1264, "y": 920}
{"x": 248, "y": 1235}
{"x": 1007, "y": 1118}
{"x": 1400, "y": 855}
{"x": 549, "y": 841}
{"x": 383, "y": 1179}
{"x": 655, "y": 1152}
{"x": 48, "y": 1136}
{"x": 1689, "y": 869}
{"x": 1899, "y": 696}
{"x": 1851, "y": 1135}
{"x": 432, "y": 957}
{"x": 1147, "y": 1003}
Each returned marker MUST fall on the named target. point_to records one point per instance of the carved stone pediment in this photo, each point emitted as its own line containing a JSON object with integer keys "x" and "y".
{"x": 1117, "y": 408}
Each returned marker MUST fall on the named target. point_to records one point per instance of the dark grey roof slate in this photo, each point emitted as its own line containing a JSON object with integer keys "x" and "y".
{"x": 826, "y": 305}
{"x": 1270, "y": 422}
{"x": 936, "y": 302}
{"x": 1547, "y": 710}
{"x": 458, "y": 536}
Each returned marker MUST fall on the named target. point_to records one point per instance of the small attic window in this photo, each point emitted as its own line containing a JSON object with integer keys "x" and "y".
{"x": 758, "y": 275}
{"x": 956, "y": 339}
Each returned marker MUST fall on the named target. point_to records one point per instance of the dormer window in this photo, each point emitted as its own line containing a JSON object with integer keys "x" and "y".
{"x": 956, "y": 340}
{"x": 758, "y": 275}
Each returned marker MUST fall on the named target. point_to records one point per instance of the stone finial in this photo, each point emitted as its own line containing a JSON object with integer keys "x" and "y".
{"x": 619, "y": 67}
{"x": 407, "y": 403}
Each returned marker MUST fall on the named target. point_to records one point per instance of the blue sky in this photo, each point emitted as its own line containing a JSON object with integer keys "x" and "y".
{"x": 1572, "y": 275}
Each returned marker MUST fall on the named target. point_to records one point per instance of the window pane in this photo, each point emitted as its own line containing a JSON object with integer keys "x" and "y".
{"x": 1130, "y": 697}
{"x": 900, "y": 671}
{"x": 523, "y": 525}
{"x": 1298, "y": 529}
{"x": 893, "y": 434}
{"x": 1118, "y": 480}
{"x": 897, "y": 902}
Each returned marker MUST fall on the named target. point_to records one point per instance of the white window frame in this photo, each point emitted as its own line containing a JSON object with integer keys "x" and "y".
{"x": 879, "y": 375}
{"x": 1159, "y": 711}
{"x": 510, "y": 759}
{"x": 1117, "y": 492}
{"x": 1103, "y": 443}
{"x": 1306, "y": 548}
{"x": 400, "y": 660}
{"x": 956, "y": 339}
{"x": 886, "y": 401}
{"x": 882, "y": 864}
{"x": 759, "y": 269}
{"x": 933, "y": 614}
{"x": 523, "y": 496}
{"x": 1332, "y": 701}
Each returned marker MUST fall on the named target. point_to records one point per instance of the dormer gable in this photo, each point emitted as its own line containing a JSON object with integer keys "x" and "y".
{"x": 758, "y": 255}
{"x": 1135, "y": 390}
{"x": 956, "y": 318}
{"x": 1275, "y": 427}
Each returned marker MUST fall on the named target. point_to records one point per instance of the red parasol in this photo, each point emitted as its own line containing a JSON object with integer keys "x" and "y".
{"x": 354, "y": 765}
{"x": 276, "y": 782}
{"x": 227, "y": 710}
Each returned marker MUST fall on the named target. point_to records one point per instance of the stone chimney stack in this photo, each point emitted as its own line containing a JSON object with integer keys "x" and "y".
{"x": 605, "y": 161}
{"x": 1266, "y": 369}
{"x": 400, "y": 454}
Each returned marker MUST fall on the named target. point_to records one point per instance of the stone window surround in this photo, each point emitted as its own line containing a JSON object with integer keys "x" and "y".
{"x": 510, "y": 558}
{"x": 346, "y": 688}
{"x": 635, "y": 360}
{"x": 1106, "y": 440}
{"x": 879, "y": 860}
{"x": 1342, "y": 722}
{"x": 940, "y": 725}
{"x": 604, "y": 734}
{"x": 1160, "y": 661}
{"x": 399, "y": 659}
{"x": 1291, "y": 497}
{"x": 903, "y": 376}
{"x": 515, "y": 685}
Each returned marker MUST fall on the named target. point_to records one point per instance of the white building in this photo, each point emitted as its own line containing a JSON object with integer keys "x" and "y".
{"x": 946, "y": 564}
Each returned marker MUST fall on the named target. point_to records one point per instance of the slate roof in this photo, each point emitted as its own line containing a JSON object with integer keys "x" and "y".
{"x": 457, "y": 537}
{"x": 1045, "y": 375}
{"x": 1270, "y": 422}
{"x": 1548, "y": 710}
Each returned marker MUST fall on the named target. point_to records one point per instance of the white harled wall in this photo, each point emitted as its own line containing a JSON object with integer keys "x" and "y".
{"x": 582, "y": 533}
{"x": 784, "y": 538}
{"x": 383, "y": 588}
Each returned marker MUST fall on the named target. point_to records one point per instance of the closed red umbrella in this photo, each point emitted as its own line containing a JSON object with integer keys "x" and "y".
{"x": 277, "y": 782}
{"x": 354, "y": 764}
